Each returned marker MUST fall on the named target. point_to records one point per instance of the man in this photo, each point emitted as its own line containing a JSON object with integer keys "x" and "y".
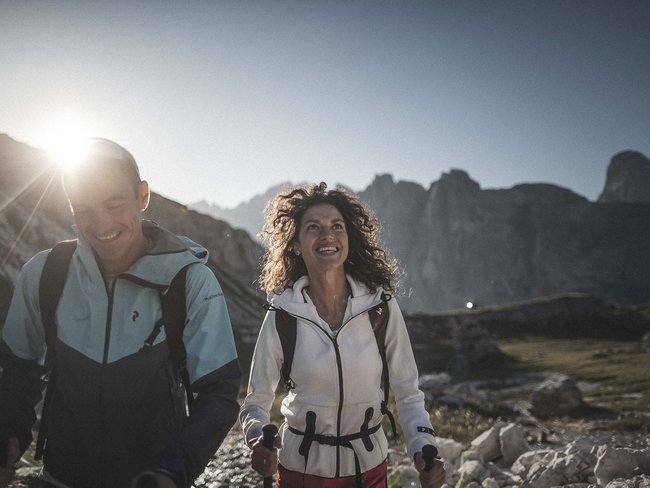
{"x": 115, "y": 412}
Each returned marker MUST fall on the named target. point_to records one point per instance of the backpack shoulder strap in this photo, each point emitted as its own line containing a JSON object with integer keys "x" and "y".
{"x": 286, "y": 325}
{"x": 174, "y": 314}
{"x": 379, "y": 321}
{"x": 50, "y": 288}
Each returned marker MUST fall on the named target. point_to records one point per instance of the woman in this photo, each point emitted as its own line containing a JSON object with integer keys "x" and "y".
{"x": 324, "y": 269}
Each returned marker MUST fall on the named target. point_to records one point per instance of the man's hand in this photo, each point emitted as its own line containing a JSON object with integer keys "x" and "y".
{"x": 433, "y": 478}
{"x": 264, "y": 460}
{"x": 151, "y": 479}
{"x": 7, "y": 470}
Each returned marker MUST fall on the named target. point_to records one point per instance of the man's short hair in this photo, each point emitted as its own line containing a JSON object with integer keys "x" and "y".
{"x": 102, "y": 154}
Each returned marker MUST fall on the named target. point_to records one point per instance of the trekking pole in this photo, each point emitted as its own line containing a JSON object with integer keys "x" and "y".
{"x": 429, "y": 454}
{"x": 269, "y": 431}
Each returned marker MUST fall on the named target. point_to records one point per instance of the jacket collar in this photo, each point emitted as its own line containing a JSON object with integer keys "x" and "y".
{"x": 165, "y": 257}
{"x": 293, "y": 301}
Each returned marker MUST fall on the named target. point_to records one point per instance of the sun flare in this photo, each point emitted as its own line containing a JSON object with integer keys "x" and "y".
{"x": 65, "y": 140}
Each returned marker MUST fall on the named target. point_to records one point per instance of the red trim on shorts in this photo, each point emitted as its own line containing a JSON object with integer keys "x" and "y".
{"x": 373, "y": 478}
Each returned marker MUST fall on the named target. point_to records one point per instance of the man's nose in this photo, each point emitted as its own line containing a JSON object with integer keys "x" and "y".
{"x": 103, "y": 220}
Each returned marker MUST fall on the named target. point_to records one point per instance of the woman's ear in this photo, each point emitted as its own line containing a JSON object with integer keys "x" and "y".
{"x": 294, "y": 247}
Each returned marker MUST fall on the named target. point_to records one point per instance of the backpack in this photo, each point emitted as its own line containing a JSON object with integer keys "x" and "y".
{"x": 52, "y": 282}
{"x": 286, "y": 325}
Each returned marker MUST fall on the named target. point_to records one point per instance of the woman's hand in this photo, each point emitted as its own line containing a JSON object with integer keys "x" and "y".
{"x": 433, "y": 478}
{"x": 264, "y": 460}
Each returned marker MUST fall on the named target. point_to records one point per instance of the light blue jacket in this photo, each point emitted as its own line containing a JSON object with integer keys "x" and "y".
{"x": 102, "y": 365}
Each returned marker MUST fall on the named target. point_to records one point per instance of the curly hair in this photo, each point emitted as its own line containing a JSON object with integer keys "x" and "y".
{"x": 366, "y": 262}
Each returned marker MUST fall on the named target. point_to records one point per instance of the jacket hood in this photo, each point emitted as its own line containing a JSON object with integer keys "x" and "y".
{"x": 292, "y": 299}
{"x": 176, "y": 252}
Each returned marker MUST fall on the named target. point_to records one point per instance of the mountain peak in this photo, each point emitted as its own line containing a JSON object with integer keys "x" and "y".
{"x": 628, "y": 179}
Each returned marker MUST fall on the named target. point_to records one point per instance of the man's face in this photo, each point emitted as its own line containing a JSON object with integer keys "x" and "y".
{"x": 107, "y": 210}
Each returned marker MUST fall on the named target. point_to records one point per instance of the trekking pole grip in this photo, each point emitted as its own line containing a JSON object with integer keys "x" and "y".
{"x": 429, "y": 453}
{"x": 269, "y": 431}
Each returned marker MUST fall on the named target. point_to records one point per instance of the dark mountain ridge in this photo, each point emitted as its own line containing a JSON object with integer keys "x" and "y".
{"x": 458, "y": 242}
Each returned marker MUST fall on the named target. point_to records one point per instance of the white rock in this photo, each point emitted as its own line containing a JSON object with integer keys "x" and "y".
{"x": 450, "y": 451}
{"x": 641, "y": 481}
{"x": 434, "y": 383}
{"x": 620, "y": 462}
{"x": 512, "y": 441}
{"x": 490, "y": 483}
{"x": 471, "y": 455}
{"x": 558, "y": 395}
{"x": 488, "y": 443}
{"x": 527, "y": 459}
{"x": 541, "y": 476}
{"x": 469, "y": 471}
{"x": 576, "y": 462}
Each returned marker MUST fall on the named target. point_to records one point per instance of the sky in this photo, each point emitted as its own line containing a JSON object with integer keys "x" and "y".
{"x": 219, "y": 100}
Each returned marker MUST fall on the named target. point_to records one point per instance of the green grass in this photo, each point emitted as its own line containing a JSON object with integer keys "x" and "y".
{"x": 613, "y": 376}
{"x": 617, "y": 372}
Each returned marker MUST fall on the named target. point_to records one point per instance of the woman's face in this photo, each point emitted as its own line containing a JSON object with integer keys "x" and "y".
{"x": 322, "y": 239}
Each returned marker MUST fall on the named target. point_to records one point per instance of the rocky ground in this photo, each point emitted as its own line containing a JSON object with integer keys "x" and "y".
{"x": 507, "y": 446}
{"x": 230, "y": 467}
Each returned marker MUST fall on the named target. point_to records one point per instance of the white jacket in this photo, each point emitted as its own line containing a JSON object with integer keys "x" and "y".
{"x": 337, "y": 376}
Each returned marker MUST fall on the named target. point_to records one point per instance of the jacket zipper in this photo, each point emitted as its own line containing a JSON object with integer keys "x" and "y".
{"x": 110, "y": 290}
{"x": 339, "y": 367}
{"x": 109, "y": 318}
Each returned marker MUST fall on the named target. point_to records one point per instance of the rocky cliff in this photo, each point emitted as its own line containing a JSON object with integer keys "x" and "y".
{"x": 460, "y": 243}
{"x": 34, "y": 216}
{"x": 457, "y": 242}
{"x": 628, "y": 179}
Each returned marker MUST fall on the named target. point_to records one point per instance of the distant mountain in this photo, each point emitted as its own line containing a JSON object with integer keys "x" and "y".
{"x": 34, "y": 215}
{"x": 457, "y": 242}
{"x": 247, "y": 215}
{"x": 628, "y": 179}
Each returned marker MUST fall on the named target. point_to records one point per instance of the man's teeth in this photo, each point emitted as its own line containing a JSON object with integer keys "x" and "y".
{"x": 107, "y": 237}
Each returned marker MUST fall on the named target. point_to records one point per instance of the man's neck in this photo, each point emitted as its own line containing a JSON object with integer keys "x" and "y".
{"x": 114, "y": 267}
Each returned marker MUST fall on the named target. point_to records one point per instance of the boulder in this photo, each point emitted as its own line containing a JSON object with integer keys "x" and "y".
{"x": 541, "y": 476}
{"x": 641, "y": 481}
{"x": 487, "y": 444}
{"x": 472, "y": 470}
{"x": 573, "y": 465}
{"x": 557, "y": 396}
{"x": 450, "y": 451}
{"x": 512, "y": 441}
{"x": 434, "y": 385}
{"x": 524, "y": 462}
{"x": 620, "y": 462}
{"x": 490, "y": 483}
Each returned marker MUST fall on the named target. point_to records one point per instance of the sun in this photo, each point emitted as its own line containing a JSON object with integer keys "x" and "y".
{"x": 65, "y": 140}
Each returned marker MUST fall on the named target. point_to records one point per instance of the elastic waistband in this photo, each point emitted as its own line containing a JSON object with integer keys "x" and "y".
{"x": 343, "y": 440}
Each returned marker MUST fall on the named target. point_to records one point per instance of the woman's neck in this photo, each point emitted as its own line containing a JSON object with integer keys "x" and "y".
{"x": 330, "y": 294}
